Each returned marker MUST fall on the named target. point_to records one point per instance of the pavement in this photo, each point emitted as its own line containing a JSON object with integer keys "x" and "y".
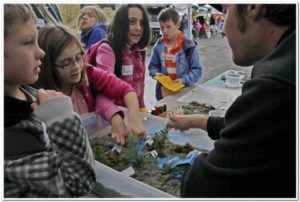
{"x": 215, "y": 58}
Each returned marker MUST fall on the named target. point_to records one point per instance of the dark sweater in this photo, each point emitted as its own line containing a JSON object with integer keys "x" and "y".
{"x": 255, "y": 149}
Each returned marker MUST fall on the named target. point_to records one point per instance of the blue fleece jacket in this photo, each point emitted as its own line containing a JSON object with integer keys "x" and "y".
{"x": 93, "y": 35}
{"x": 188, "y": 66}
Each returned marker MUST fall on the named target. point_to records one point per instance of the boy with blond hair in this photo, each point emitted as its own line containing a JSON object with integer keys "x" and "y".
{"x": 46, "y": 149}
{"x": 174, "y": 54}
{"x": 92, "y": 24}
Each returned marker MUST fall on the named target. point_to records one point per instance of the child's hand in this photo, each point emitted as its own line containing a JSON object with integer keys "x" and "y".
{"x": 178, "y": 81}
{"x": 118, "y": 129}
{"x": 159, "y": 74}
{"x": 136, "y": 126}
{"x": 44, "y": 95}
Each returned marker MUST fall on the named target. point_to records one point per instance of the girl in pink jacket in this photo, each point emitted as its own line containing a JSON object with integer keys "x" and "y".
{"x": 125, "y": 52}
{"x": 63, "y": 69}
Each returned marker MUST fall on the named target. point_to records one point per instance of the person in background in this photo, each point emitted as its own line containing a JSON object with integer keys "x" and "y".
{"x": 92, "y": 24}
{"x": 174, "y": 54}
{"x": 63, "y": 69}
{"x": 221, "y": 25}
{"x": 184, "y": 25}
{"x": 212, "y": 24}
{"x": 46, "y": 149}
{"x": 197, "y": 28}
{"x": 203, "y": 27}
{"x": 124, "y": 54}
{"x": 254, "y": 154}
{"x": 217, "y": 30}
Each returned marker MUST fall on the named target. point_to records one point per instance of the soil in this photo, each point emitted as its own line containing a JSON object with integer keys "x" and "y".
{"x": 144, "y": 165}
{"x": 196, "y": 108}
{"x": 147, "y": 171}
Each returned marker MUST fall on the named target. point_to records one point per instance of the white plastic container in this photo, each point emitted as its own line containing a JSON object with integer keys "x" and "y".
{"x": 233, "y": 79}
{"x": 113, "y": 184}
{"x": 95, "y": 125}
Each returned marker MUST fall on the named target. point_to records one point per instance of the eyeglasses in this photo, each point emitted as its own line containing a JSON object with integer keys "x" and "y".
{"x": 69, "y": 62}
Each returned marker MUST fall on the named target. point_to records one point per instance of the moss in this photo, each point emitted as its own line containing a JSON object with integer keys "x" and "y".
{"x": 103, "y": 154}
{"x": 182, "y": 149}
{"x": 145, "y": 166}
{"x": 196, "y": 108}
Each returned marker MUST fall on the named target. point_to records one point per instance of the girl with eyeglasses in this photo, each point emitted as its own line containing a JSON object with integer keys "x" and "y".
{"x": 91, "y": 89}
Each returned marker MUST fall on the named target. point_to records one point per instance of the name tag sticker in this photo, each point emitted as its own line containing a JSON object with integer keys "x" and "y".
{"x": 127, "y": 70}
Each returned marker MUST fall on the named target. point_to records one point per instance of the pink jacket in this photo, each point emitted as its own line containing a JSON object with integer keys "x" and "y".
{"x": 106, "y": 60}
{"x": 104, "y": 85}
{"x": 198, "y": 25}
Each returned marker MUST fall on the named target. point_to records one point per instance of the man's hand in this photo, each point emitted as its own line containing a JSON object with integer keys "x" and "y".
{"x": 181, "y": 122}
{"x": 185, "y": 122}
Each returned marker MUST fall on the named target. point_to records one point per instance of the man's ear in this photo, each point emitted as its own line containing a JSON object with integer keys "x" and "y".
{"x": 255, "y": 11}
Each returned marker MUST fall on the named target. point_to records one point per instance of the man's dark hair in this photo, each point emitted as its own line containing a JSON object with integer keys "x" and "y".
{"x": 281, "y": 14}
{"x": 278, "y": 14}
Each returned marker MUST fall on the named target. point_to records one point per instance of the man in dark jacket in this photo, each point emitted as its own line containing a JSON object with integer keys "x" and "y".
{"x": 255, "y": 149}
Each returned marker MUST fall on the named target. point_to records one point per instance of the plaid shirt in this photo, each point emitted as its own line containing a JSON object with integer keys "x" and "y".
{"x": 65, "y": 168}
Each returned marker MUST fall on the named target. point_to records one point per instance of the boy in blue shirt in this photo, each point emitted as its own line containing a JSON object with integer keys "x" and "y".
{"x": 174, "y": 54}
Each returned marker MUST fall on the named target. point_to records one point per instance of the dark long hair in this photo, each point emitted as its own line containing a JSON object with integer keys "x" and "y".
{"x": 119, "y": 29}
